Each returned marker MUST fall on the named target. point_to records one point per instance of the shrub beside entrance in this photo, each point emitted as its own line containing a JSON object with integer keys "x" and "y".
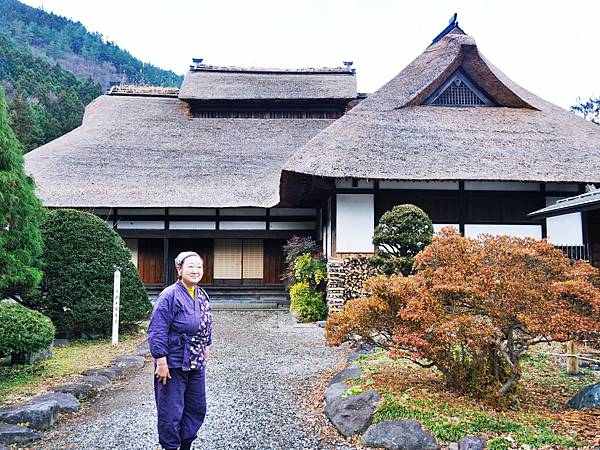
{"x": 80, "y": 256}
{"x": 307, "y": 295}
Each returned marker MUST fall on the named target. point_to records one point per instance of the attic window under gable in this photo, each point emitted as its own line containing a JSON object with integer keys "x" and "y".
{"x": 459, "y": 90}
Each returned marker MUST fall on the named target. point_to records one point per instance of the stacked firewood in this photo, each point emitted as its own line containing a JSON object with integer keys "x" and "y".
{"x": 336, "y": 278}
{"x": 357, "y": 271}
{"x": 345, "y": 281}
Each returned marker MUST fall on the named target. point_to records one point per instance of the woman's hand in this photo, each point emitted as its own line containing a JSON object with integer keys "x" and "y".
{"x": 162, "y": 370}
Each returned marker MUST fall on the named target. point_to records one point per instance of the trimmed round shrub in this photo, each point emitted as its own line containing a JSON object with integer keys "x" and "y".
{"x": 80, "y": 256}
{"x": 306, "y": 303}
{"x": 401, "y": 234}
{"x": 23, "y": 330}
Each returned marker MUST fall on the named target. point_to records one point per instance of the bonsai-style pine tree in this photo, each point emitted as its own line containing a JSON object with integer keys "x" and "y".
{"x": 402, "y": 232}
{"x": 20, "y": 215}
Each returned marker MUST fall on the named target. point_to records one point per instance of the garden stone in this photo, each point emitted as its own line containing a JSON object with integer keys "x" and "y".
{"x": 321, "y": 323}
{"x": 352, "y": 415}
{"x": 111, "y": 372}
{"x": 399, "y": 435}
{"x": 15, "y": 434}
{"x": 452, "y": 446}
{"x": 472, "y": 443}
{"x": 66, "y": 402}
{"x": 31, "y": 357}
{"x": 80, "y": 390}
{"x": 335, "y": 391}
{"x": 38, "y": 415}
{"x": 588, "y": 397}
{"x": 61, "y": 343}
{"x": 98, "y": 381}
{"x": 129, "y": 362}
{"x": 348, "y": 373}
{"x": 363, "y": 349}
{"x": 142, "y": 349}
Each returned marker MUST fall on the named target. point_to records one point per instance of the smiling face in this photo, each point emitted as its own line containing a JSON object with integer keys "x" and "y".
{"x": 191, "y": 270}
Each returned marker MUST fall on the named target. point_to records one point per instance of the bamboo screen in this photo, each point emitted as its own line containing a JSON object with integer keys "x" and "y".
{"x": 253, "y": 258}
{"x": 228, "y": 259}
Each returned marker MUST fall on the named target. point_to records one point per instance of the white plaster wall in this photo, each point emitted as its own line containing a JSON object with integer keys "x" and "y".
{"x": 534, "y": 231}
{"x": 355, "y": 219}
{"x": 565, "y": 229}
{"x": 132, "y": 245}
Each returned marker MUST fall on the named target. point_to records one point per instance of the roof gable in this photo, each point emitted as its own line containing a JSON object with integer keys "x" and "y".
{"x": 459, "y": 90}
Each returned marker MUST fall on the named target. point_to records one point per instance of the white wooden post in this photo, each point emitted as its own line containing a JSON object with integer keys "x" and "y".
{"x": 116, "y": 300}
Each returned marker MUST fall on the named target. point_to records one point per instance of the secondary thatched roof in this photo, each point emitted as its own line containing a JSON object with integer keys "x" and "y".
{"x": 393, "y": 135}
{"x": 583, "y": 202}
{"x": 136, "y": 151}
{"x": 232, "y": 83}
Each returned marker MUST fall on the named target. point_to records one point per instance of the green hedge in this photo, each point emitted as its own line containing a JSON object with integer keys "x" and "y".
{"x": 306, "y": 303}
{"x": 23, "y": 330}
{"x": 80, "y": 256}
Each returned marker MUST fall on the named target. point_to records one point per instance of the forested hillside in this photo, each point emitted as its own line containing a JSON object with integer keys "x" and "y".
{"x": 51, "y": 67}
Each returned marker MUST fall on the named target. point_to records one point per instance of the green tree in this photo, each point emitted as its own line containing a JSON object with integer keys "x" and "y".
{"x": 401, "y": 234}
{"x": 80, "y": 256}
{"x": 20, "y": 216}
{"x": 589, "y": 110}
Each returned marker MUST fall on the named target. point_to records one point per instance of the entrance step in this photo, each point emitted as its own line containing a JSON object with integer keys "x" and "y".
{"x": 233, "y": 305}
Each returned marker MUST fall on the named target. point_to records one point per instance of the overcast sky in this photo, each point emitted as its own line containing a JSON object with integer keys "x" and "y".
{"x": 549, "y": 47}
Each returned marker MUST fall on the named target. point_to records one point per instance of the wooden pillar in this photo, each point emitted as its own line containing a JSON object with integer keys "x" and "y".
{"x": 462, "y": 205}
{"x": 166, "y": 261}
{"x": 572, "y": 362}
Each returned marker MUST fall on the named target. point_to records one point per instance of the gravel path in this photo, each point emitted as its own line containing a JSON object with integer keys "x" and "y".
{"x": 261, "y": 372}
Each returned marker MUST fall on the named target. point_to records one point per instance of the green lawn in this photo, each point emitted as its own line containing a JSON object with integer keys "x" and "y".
{"x": 20, "y": 382}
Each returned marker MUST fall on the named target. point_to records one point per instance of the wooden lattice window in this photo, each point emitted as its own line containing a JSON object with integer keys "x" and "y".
{"x": 459, "y": 90}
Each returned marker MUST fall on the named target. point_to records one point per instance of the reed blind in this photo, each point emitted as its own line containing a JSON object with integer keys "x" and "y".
{"x": 228, "y": 259}
{"x": 253, "y": 258}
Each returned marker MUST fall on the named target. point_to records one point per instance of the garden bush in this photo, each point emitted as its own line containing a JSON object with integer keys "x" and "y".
{"x": 306, "y": 303}
{"x": 80, "y": 256}
{"x": 293, "y": 248}
{"x": 23, "y": 331}
{"x": 308, "y": 293}
{"x": 474, "y": 306}
{"x": 401, "y": 234}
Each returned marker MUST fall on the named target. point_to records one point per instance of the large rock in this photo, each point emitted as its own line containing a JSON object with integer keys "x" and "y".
{"x": 38, "y": 415}
{"x": 98, "y": 381}
{"x": 142, "y": 349}
{"x": 399, "y": 435}
{"x": 472, "y": 443}
{"x": 334, "y": 392}
{"x": 66, "y": 402}
{"x": 348, "y": 373}
{"x": 112, "y": 372}
{"x": 588, "y": 397}
{"x": 80, "y": 390}
{"x": 129, "y": 362}
{"x": 15, "y": 434}
{"x": 60, "y": 343}
{"x": 352, "y": 415}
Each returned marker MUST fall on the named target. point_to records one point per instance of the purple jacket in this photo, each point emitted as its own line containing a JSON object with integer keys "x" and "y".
{"x": 175, "y": 319}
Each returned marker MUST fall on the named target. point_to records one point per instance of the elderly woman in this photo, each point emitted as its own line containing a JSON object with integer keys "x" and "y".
{"x": 178, "y": 337}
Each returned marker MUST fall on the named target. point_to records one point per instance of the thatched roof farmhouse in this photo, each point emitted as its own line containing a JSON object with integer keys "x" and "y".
{"x": 238, "y": 160}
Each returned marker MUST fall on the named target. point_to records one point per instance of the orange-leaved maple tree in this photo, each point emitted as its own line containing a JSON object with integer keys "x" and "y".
{"x": 474, "y": 306}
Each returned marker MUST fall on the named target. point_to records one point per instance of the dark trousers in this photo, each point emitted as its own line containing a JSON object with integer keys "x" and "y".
{"x": 181, "y": 407}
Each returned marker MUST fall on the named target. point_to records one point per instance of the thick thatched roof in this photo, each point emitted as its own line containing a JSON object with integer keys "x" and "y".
{"x": 212, "y": 83}
{"x": 134, "y": 151}
{"x": 394, "y": 134}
